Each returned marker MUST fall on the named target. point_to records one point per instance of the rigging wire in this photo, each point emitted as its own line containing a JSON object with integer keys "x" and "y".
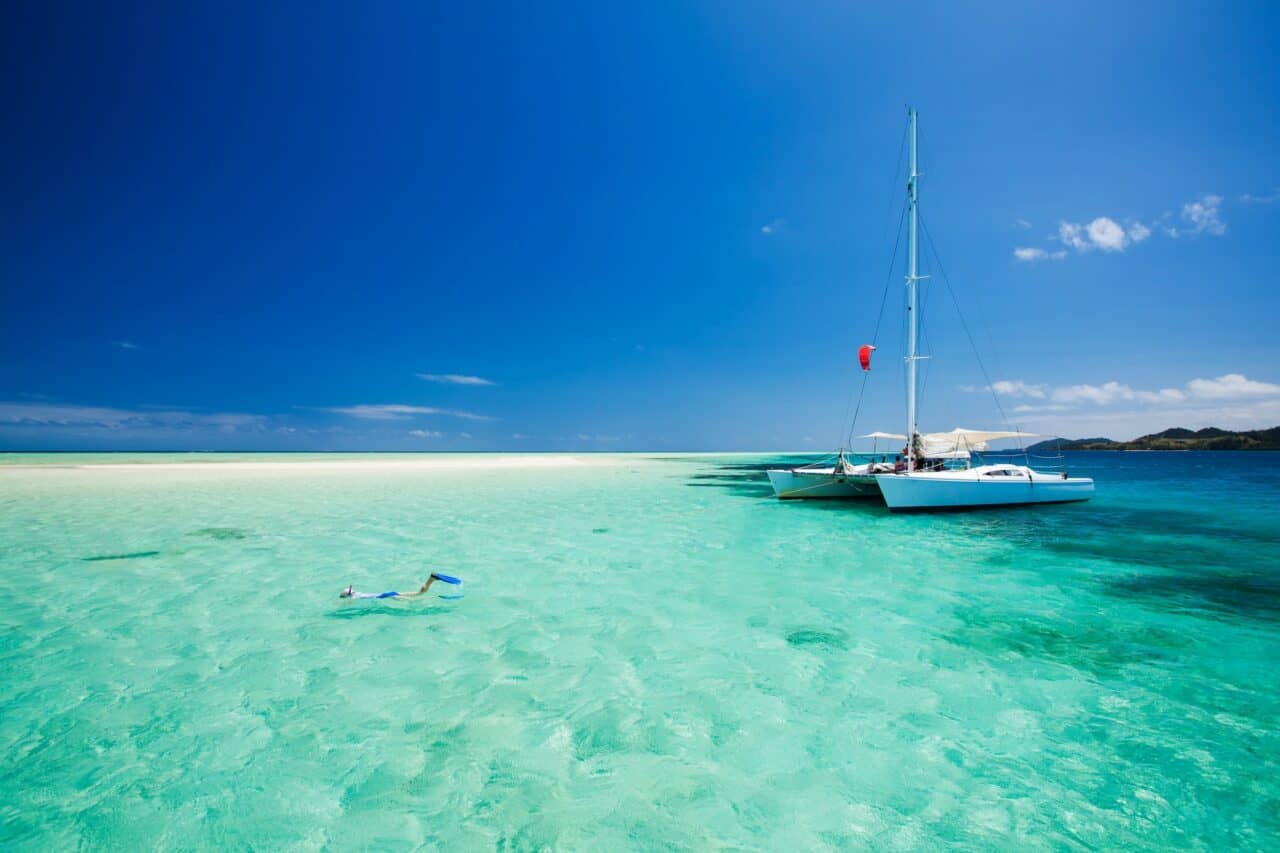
{"x": 922, "y": 300}
{"x": 965, "y": 325}
{"x": 977, "y": 303}
{"x": 884, "y": 297}
{"x": 902, "y": 144}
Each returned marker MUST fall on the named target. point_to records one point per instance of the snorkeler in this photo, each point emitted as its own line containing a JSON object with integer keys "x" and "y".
{"x": 352, "y": 592}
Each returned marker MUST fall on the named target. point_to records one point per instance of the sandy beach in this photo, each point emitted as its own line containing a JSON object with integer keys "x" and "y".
{"x": 311, "y": 464}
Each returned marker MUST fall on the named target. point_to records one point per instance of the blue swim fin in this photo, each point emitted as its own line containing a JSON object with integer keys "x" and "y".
{"x": 446, "y": 578}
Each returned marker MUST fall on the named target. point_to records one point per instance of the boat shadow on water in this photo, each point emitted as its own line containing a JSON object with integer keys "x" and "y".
{"x": 1174, "y": 560}
{"x": 750, "y": 480}
{"x": 1178, "y": 561}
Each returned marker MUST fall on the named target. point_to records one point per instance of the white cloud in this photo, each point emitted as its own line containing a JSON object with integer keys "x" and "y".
{"x": 1018, "y": 388}
{"x": 425, "y": 433}
{"x": 1261, "y": 199}
{"x": 774, "y": 227}
{"x": 1107, "y": 235}
{"x": 1231, "y": 386}
{"x": 400, "y": 411}
{"x": 1125, "y": 423}
{"x": 1202, "y": 215}
{"x": 1022, "y": 223}
{"x": 1164, "y": 395}
{"x": 126, "y": 345}
{"x": 1110, "y": 392}
{"x": 1032, "y": 254}
{"x": 1102, "y": 233}
{"x": 1103, "y": 394}
{"x": 1231, "y": 401}
{"x": 455, "y": 379}
{"x": 1051, "y": 407}
{"x": 1072, "y": 234}
{"x": 464, "y": 435}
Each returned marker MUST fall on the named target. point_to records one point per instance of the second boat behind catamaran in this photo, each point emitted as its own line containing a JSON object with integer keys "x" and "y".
{"x": 841, "y": 479}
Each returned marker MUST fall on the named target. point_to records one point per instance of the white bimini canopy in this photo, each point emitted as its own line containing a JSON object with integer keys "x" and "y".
{"x": 958, "y": 443}
{"x": 884, "y": 435}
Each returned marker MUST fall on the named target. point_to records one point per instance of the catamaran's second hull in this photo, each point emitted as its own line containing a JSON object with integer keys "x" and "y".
{"x": 977, "y": 488}
{"x": 822, "y": 484}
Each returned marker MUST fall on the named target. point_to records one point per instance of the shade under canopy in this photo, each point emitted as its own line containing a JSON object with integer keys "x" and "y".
{"x": 884, "y": 435}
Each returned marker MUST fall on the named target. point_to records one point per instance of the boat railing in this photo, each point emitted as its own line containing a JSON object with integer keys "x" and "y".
{"x": 1032, "y": 460}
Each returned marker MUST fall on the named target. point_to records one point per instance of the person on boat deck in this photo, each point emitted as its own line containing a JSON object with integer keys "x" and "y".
{"x": 898, "y": 464}
{"x": 352, "y": 592}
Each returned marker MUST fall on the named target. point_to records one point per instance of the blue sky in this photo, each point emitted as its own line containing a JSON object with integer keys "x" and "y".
{"x": 646, "y": 226}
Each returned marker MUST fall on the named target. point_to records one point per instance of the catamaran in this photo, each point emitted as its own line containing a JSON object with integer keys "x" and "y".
{"x": 937, "y": 472}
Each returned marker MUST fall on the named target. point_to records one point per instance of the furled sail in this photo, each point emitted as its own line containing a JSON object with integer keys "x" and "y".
{"x": 958, "y": 443}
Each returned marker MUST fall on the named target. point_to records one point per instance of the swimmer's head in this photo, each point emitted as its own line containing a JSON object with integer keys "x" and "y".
{"x": 346, "y": 593}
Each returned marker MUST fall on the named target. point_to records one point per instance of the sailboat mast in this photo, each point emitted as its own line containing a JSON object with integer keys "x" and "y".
{"x": 912, "y": 288}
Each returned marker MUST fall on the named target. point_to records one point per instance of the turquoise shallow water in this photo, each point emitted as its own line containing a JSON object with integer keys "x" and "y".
{"x": 650, "y": 654}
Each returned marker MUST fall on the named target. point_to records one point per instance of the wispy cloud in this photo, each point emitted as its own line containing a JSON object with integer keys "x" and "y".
{"x": 401, "y": 411}
{"x": 1016, "y": 388}
{"x": 126, "y": 345}
{"x": 1271, "y": 197}
{"x": 1202, "y": 216}
{"x": 777, "y": 226}
{"x": 109, "y": 418}
{"x": 1030, "y": 255}
{"x": 425, "y": 433}
{"x": 582, "y": 436}
{"x": 455, "y": 379}
{"x": 1022, "y": 223}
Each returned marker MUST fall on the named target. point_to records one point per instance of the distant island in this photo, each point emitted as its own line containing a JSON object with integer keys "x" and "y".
{"x": 1209, "y": 438}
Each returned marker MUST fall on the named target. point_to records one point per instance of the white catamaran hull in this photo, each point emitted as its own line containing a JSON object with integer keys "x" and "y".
{"x": 822, "y": 484}
{"x": 987, "y": 485}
